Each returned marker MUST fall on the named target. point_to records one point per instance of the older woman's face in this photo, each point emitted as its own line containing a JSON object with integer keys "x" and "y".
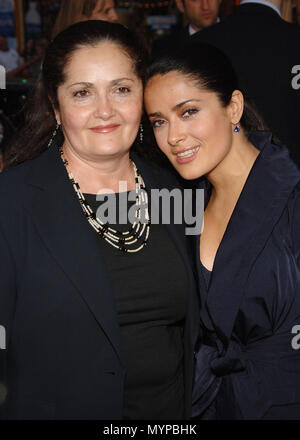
{"x": 105, "y": 10}
{"x": 100, "y": 103}
{"x": 190, "y": 125}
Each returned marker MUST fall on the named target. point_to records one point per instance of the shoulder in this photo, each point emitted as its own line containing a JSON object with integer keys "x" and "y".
{"x": 12, "y": 180}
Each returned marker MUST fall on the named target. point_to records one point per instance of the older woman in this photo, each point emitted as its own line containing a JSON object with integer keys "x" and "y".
{"x": 248, "y": 255}
{"x": 100, "y": 319}
{"x": 72, "y": 11}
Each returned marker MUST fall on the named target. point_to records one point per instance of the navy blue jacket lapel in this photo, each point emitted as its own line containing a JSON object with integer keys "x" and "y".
{"x": 259, "y": 207}
{"x": 62, "y": 226}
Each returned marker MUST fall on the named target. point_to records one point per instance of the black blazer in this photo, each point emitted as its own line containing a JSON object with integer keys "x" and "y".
{"x": 63, "y": 358}
{"x": 263, "y": 49}
{"x": 248, "y": 359}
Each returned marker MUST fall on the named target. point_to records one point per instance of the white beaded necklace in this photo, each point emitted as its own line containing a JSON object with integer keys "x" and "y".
{"x": 124, "y": 241}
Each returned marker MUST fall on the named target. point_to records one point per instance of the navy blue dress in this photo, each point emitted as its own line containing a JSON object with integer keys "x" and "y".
{"x": 247, "y": 366}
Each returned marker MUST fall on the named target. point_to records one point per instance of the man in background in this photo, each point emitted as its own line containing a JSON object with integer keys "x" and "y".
{"x": 264, "y": 50}
{"x": 198, "y": 15}
{"x": 9, "y": 58}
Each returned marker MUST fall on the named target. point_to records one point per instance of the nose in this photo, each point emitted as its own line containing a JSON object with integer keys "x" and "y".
{"x": 104, "y": 108}
{"x": 175, "y": 134}
{"x": 205, "y": 5}
{"x": 113, "y": 15}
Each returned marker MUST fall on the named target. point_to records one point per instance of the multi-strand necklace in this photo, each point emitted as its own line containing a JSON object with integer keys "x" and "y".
{"x": 129, "y": 241}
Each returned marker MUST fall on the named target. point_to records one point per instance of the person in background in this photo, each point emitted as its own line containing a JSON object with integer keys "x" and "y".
{"x": 263, "y": 49}
{"x": 9, "y": 58}
{"x": 226, "y": 8}
{"x": 297, "y": 5}
{"x": 248, "y": 253}
{"x": 198, "y": 15}
{"x": 72, "y": 11}
{"x": 29, "y": 50}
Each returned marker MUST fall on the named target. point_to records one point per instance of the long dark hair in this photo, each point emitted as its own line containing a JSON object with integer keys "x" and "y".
{"x": 212, "y": 71}
{"x": 40, "y": 120}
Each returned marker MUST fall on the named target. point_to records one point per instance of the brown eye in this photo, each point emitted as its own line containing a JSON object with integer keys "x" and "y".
{"x": 123, "y": 90}
{"x": 158, "y": 123}
{"x": 190, "y": 112}
{"x": 81, "y": 94}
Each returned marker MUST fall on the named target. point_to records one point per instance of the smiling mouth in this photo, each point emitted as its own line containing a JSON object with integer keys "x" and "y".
{"x": 188, "y": 153}
{"x": 105, "y": 128}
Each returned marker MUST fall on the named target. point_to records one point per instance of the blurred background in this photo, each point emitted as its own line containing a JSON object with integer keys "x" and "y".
{"x": 26, "y": 28}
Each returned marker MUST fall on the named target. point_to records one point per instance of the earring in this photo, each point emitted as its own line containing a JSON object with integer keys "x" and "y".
{"x": 237, "y": 128}
{"x": 141, "y": 134}
{"x": 53, "y": 135}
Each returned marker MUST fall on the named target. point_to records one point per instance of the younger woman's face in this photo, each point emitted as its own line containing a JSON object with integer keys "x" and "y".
{"x": 190, "y": 125}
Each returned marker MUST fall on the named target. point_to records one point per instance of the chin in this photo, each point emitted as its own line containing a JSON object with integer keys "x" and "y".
{"x": 188, "y": 174}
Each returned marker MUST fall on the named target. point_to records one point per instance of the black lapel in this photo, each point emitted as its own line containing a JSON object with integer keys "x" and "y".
{"x": 263, "y": 199}
{"x": 60, "y": 221}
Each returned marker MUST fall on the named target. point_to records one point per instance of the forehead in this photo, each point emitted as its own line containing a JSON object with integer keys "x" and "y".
{"x": 174, "y": 83}
{"x": 104, "y": 4}
{"x": 170, "y": 89}
{"x": 104, "y": 60}
{"x": 196, "y": 3}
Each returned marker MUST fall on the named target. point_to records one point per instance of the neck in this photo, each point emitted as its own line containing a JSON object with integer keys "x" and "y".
{"x": 99, "y": 175}
{"x": 229, "y": 177}
{"x": 197, "y": 28}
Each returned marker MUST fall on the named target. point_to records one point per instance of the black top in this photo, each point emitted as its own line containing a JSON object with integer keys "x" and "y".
{"x": 206, "y": 274}
{"x": 150, "y": 297}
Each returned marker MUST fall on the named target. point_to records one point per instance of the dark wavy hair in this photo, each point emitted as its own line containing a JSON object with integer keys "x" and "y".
{"x": 40, "y": 120}
{"x": 212, "y": 71}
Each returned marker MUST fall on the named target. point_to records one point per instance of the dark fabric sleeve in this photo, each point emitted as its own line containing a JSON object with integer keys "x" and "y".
{"x": 7, "y": 306}
{"x": 296, "y": 225}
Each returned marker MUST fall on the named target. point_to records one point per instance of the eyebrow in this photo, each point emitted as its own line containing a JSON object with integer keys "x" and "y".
{"x": 88, "y": 84}
{"x": 176, "y": 107}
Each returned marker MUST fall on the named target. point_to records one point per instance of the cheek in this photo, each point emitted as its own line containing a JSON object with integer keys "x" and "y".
{"x": 132, "y": 112}
{"x": 75, "y": 118}
{"x": 161, "y": 137}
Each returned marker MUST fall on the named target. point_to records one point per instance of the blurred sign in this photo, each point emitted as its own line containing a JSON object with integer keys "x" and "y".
{"x": 156, "y": 22}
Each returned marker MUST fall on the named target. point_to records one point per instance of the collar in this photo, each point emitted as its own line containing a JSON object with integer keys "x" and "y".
{"x": 262, "y": 2}
{"x": 192, "y": 30}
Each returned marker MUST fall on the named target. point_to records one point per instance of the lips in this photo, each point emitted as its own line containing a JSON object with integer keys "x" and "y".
{"x": 105, "y": 128}
{"x": 207, "y": 15}
{"x": 186, "y": 155}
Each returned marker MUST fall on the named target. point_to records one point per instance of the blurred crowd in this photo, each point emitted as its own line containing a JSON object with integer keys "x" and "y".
{"x": 197, "y": 14}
